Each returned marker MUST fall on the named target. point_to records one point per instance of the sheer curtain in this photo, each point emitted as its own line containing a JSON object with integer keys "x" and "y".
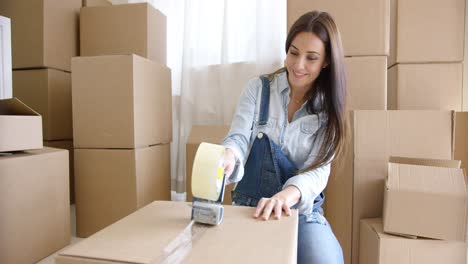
{"x": 214, "y": 48}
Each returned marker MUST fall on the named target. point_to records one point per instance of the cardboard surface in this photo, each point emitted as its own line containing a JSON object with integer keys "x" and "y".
{"x": 461, "y": 139}
{"x": 44, "y": 32}
{"x": 356, "y": 187}
{"x": 429, "y": 86}
{"x": 380, "y": 248}
{"x": 199, "y": 134}
{"x": 427, "y": 31}
{"x": 364, "y": 24}
{"x": 35, "y": 213}
{"x": 367, "y": 82}
{"x": 110, "y": 184}
{"x": 20, "y": 125}
{"x": 425, "y": 201}
{"x": 48, "y": 92}
{"x": 123, "y": 29}
{"x": 120, "y": 102}
{"x": 142, "y": 237}
{"x": 68, "y": 145}
{"x": 96, "y": 3}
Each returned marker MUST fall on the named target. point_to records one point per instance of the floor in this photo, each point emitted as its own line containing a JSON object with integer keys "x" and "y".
{"x": 50, "y": 259}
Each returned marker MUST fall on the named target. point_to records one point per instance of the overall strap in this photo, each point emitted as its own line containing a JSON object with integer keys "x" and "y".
{"x": 264, "y": 101}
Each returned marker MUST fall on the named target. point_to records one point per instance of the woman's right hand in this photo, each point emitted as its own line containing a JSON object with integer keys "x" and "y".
{"x": 229, "y": 162}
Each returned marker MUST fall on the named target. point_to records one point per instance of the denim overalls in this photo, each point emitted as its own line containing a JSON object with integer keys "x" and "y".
{"x": 265, "y": 172}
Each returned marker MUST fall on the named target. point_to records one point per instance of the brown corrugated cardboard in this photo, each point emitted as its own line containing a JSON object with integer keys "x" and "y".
{"x": 21, "y": 126}
{"x": 68, "y": 145}
{"x": 44, "y": 32}
{"x": 426, "y": 31}
{"x": 429, "y": 86}
{"x": 367, "y": 82}
{"x": 461, "y": 139}
{"x": 96, "y": 3}
{"x": 111, "y": 184}
{"x": 123, "y": 29}
{"x": 35, "y": 213}
{"x": 199, "y": 134}
{"x": 364, "y": 24}
{"x": 380, "y": 248}
{"x": 120, "y": 102}
{"x": 425, "y": 201}
{"x": 426, "y": 162}
{"x": 355, "y": 190}
{"x": 143, "y": 237}
{"x": 48, "y": 92}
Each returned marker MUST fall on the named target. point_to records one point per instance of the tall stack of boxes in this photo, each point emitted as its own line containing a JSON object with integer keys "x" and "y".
{"x": 44, "y": 39}
{"x": 34, "y": 188}
{"x": 122, "y": 113}
{"x": 423, "y": 42}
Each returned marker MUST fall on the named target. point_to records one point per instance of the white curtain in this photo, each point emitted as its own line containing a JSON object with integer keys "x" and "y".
{"x": 214, "y": 48}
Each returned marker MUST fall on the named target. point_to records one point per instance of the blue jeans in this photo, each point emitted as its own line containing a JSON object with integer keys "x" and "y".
{"x": 316, "y": 242}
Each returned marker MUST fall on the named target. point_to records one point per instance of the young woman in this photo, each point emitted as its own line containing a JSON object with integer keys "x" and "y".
{"x": 290, "y": 125}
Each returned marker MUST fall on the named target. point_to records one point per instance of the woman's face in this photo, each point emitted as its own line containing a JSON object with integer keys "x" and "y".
{"x": 305, "y": 59}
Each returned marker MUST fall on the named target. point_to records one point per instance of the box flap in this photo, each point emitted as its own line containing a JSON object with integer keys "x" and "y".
{"x": 211, "y": 134}
{"x": 13, "y": 106}
{"x": 426, "y": 162}
{"x": 407, "y": 177}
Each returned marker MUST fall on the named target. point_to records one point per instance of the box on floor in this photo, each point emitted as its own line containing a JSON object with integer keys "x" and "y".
{"x": 356, "y": 186}
{"x": 425, "y": 86}
{"x": 199, "y": 134}
{"x": 111, "y": 30}
{"x": 21, "y": 126}
{"x": 426, "y": 31}
{"x": 144, "y": 236}
{"x": 121, "y": 101}
{"x": 48, "y": 92}
{"x": 378, "y": 247}
{"x": 68, "y": 145}
{"x": 364, "y": 24}
{"x": 44, "y": 32}
{"x": 35, "y": 212}
{"x": 112, "y": 183}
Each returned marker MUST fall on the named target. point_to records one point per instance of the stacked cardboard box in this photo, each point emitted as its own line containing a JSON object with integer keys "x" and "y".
{"x": 44, "y": 39}
{"x": 122, "y": 114}
{"x": 424, "y": 218}
{"x": 426, "y": 54}
{"x": 34, "y": 188}
{"x": 161, "y": 232}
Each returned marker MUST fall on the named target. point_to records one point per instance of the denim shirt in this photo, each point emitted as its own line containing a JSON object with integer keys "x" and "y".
{"x": 299, "y": 139}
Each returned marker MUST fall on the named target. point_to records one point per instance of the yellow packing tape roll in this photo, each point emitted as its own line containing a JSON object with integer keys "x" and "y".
{"x": 208, "y": 171}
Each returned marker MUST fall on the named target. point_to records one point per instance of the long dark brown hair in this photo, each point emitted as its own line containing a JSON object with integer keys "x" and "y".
{"x": 329, "y": 87}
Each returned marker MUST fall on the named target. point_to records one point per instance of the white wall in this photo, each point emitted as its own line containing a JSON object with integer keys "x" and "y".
{"x": 6, "y": 90}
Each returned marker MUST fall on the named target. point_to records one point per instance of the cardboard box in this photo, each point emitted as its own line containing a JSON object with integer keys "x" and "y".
{"x": 364, "y": 24}
{"x": 429, "y": 86}
{"x": 144, "y": 236}
{"x": 461, "y": 140}
{"x": 47, "y": 91}
{"x": 96, "y": 3}
{"x": 112, "y": 183}
{"x": 120, "y": 102}
{"x": 367, "y": 82}
{"x": 68, "y": 145}
{"x": 426, "y": 31}
{"x": 35, "y": 213}
{"x": 380, "y": 248}
{"x": 199, "y": 134}
{"x": 123, "y": 29}
{"x": 426, "y": 201}
{"x": 356, "y": 188}
{"x": 21, "y": 126}
{"x": 44, "y": 32}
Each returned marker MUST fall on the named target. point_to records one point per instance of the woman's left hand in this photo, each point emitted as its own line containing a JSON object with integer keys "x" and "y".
{"x": 276, "y": 205}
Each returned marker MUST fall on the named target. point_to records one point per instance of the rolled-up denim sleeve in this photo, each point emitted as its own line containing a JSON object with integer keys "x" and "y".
{"x": 241, "y": 127}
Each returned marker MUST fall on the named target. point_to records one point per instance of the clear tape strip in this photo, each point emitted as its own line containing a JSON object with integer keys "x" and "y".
{"x": 176, "y": 251}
